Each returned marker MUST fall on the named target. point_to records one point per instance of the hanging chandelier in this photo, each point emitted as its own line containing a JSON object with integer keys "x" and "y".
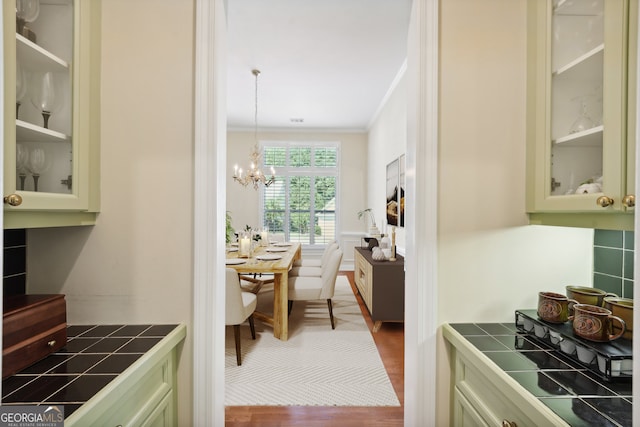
{"x": 254, "y": 175}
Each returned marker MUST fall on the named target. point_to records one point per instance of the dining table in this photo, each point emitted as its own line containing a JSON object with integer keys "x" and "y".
{"x": 277, "y": 259}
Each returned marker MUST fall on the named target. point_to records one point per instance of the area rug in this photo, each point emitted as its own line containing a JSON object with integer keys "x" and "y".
{"x": 317, "y": 366}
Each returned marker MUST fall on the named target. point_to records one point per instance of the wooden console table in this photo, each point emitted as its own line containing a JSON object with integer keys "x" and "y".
{"x": 381, "y": 285}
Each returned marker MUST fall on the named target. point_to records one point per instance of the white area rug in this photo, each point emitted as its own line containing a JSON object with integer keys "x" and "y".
{"x": 317, "y": 366}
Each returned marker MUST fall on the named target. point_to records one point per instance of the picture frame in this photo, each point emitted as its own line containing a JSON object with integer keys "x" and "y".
{"x": 395, "y": 192}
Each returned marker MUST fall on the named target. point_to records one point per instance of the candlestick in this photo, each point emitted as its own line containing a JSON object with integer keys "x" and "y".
{"x": 393, "y": 244}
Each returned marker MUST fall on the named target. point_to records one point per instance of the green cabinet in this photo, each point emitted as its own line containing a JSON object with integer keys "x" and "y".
{"x": 143, "y": 395}
{"x": 484, "y": 395}
{"x": 51, "y": 112}
{"x": 581, "y": 112}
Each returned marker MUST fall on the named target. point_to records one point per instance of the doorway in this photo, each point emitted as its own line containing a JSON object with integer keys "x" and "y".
{"x": 210, "y": 154}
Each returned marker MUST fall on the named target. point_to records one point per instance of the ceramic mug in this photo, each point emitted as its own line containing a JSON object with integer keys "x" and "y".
{"x": 595, "y": 323}
{"x": 623, "y": 308}
{"x": 587, "y": 295}
{"x": 553, "y": 307}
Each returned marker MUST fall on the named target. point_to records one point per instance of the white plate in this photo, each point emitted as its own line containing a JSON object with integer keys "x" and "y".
{"x": 235, "y": 261}
{"x": 276, "y": 249}
{"x": 282, "y": 244}
{"x": 232, "y": 249}
{"x": 268, "y": 257}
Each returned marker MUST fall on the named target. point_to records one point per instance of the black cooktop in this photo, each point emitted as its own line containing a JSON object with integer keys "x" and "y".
{"x": 94, "y": 356}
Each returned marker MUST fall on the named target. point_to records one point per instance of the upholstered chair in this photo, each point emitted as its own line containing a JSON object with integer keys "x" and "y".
{"x": 312, "y": 267}
{"x": 239, "y": 307}
{"x": 317, "y": 287}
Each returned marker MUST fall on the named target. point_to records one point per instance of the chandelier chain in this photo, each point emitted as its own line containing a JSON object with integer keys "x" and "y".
{"x": 254, "y": 175}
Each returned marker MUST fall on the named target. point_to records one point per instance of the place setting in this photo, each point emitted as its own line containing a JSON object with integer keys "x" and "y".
{"x": 276, "y": 249}
{"x": 268, "y": 257}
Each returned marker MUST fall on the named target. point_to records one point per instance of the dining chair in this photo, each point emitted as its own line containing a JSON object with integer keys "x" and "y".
{"x": 313, "y": 267}
{"x": 315, "y": 262}
{"x": 304, "y": 288}
{"x": 239, "y": 307}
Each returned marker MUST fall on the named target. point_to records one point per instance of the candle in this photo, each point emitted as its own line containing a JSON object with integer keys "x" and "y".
{"x": 393, "y": 244}
{"x": 244, "y": 247}
{"x": 264, "y": 237}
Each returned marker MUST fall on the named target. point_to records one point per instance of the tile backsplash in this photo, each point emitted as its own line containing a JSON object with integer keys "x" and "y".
{"x": 613, "y": 262}
{"x": 14, "y": 278}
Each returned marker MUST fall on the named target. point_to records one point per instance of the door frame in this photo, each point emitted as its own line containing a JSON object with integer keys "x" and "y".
{"x": 209, "y": 214}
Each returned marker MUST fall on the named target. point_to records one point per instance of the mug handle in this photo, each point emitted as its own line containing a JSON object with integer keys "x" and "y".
{"x": 622, "y": 331}
{"x": 572, "y": 313}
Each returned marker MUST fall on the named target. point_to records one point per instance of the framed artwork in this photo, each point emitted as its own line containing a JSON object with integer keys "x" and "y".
{"x": 395, "y": 192}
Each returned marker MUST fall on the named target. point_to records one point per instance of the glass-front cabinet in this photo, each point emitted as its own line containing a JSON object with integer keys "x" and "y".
{"x": 581, "y": 107}
{"x": 51, "y": 58}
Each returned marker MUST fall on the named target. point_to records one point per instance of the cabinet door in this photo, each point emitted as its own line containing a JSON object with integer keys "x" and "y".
{"x": 162, "y": 415}
{"x": 628, "y": 200}
{"x": 49, "y": 118}
{"x": 464, "y": 414}
{"x": 577, "y": 105}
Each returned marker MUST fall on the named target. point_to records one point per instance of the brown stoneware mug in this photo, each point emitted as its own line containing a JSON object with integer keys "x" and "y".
{"x": 623, "y": 308}
{"x": 595, "y": 323}
{"x": 553, "y": 307}
{"x": 587, "y": 295}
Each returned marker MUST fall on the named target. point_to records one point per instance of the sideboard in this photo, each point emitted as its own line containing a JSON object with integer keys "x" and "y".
{"x": 381, "y": 285}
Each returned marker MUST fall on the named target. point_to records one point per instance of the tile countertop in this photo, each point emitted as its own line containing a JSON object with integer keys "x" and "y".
{"x": 578, "y": 396}
{"x": 94, "y": 356}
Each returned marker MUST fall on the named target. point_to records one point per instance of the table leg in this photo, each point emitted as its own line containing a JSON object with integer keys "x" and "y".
{"x": 280, "y": 306}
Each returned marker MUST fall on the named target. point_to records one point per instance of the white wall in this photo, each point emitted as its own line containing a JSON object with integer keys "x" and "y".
{"x": 387, "y": 141}
{"x": 242, "y": 202}
{"x": 135, "y": 265}
{"x": 490, "y": 262}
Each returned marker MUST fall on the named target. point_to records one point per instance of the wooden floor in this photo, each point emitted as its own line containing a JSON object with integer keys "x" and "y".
{"x": 390, "y": 342}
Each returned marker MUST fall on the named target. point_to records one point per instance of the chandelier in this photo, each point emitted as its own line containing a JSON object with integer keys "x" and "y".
{"x": 254, "y": 175}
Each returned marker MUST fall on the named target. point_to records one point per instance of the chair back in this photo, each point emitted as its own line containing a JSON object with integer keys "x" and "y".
{"x": 327, "y": 252}
{"x": 330, "y": 273}
{"x": 234, "y": 308}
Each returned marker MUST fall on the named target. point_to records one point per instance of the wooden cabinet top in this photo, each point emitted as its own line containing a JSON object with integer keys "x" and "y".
{"x": 366, "y": 253}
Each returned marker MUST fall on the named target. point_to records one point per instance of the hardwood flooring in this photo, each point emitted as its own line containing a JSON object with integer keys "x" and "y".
{"x": 390, "y": 342}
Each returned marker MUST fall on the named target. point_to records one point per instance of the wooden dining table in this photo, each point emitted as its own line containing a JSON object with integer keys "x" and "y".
{"x": 280, "y": 270}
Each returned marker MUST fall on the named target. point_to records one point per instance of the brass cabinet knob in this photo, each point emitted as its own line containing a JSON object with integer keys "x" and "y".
{"x": 629, "y": 200}
{"x": 51, "y": 343}
{"x": 507, "y": 423}
{"x": 604, "y": 201}
{"x": 13, "y": 200}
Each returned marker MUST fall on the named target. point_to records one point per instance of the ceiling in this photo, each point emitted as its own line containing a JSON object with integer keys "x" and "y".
{"x": 327, "y": 62}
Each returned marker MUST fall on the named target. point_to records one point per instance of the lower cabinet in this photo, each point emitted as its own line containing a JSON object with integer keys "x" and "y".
{"x": 143, "y": 395}
{"x": 484, "y": 395}
{"x": 381, "y": 286}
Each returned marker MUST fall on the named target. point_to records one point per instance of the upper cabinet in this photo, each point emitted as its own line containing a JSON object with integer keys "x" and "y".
{"x": 51, "y": 112}
{"x": 581, "y": 112}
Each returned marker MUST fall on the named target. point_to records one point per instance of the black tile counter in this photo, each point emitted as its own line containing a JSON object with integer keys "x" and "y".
{"x": 93, "y": 357}
{"x": 574, "y": 393}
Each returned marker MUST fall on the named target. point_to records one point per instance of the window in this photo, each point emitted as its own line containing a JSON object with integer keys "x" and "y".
{"x": 300, "y": 206}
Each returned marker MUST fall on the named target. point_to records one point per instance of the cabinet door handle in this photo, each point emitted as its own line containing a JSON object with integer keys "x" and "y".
{"x": 507, "y": 423}
{"x": 13, "y": 199}
{"x": 51, "y": 343}
{"x": 629, "y": 200}
{"x": 604, "y": 201}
